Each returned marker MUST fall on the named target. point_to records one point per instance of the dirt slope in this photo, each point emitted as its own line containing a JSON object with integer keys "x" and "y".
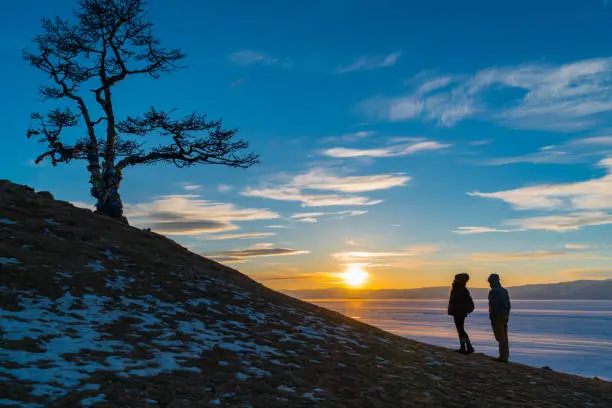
{"x": 98, "y": 313}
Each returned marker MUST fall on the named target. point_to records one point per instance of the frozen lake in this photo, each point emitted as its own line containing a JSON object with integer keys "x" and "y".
{"x": 568, "y": 336}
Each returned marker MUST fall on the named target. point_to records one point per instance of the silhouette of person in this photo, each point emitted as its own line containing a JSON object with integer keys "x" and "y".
{"x": 499, "y": 312}
{"x": 460, "y": 305}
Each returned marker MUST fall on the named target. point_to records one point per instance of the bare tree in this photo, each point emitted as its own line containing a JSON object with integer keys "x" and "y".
{"x": 110, "y": 42}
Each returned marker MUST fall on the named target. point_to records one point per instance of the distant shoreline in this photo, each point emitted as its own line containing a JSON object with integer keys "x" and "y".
{"x": 583, "y": 290}
{"x": 308, "y": 299}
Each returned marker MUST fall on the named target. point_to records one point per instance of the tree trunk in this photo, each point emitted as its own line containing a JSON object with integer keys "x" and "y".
{"x": 109, "y": 202}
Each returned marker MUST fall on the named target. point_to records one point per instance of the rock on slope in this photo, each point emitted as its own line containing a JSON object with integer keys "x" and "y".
{"x": 97, "y": 313}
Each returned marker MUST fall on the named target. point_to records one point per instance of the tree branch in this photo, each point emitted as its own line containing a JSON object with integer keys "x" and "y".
{"x": 187, "y": 148}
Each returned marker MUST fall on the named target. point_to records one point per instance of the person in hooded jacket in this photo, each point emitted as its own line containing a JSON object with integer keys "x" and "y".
{"x": 499, "y": 312}
{"x": 460, "y": 305}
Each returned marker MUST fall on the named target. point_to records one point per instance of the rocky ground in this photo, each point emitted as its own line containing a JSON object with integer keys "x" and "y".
{"x": 97, "y": 313}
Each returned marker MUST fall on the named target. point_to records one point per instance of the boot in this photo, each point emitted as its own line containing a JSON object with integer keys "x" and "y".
{"x": 469, "y": 348}
{"x": 463, "y": 348}
{"x": 504, "y": 352}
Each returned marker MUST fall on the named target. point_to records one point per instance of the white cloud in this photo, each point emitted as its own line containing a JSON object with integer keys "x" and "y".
{"x": 446, "y": 108}
{"x": 495, "y": 257}
{"x": 309, "y": 200}
{"x": 189, "y": 215}
{"x": 578, "y": 204}
{"x": 562, "y": 222}
{"x": 572, "y": 151}
{"x": 577, "y": 246}
{"x": 323, "y": 180}
{"x": 314, "y": 217}
{"x": 224, "y": 188}
{"x": 246, "y": 235}
{"x": 368, "y": 62}
{"x": 587, "y": 273}
{"x": 365, "y": 256}
{"x": 237, "y": 82}
{"x": 565, "y": 97}
{"x": 246, "y": 58}
{"x": 320, "y": 179}
{"x": 390, "y": 151}
{"x": 594, "y": 194}
{"x": 434, "y": 84}
{"x": 361, "y": 256}
{"x": 307, "y": 217}
{"x": 559, "y": 223}
{"x": 419, "y": 250}
{"x": 348, "y": 138}
{"x": 479, "y": 230}
{"x": 191, "y": 187}
{"x": 257, "y": 251}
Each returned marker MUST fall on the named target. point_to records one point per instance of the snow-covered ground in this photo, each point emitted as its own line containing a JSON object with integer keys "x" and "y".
{"x": 52, "y": 341}
{"x": 568, "y": 336}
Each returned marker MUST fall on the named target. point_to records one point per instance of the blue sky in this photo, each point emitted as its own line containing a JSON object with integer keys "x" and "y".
{"x": 419, "y": 140}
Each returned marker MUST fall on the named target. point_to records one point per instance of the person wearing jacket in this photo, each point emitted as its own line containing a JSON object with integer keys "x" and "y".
{"x": 499, "y": 312}
{"x": 460, "y": 305}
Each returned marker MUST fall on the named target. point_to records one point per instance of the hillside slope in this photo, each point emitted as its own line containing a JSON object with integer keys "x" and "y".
{"x": 97, "y": 313}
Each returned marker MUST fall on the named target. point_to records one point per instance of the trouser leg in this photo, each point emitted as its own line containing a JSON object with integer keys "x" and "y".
{"x": 464, "y": 339}
{"x": 500, "y": 330}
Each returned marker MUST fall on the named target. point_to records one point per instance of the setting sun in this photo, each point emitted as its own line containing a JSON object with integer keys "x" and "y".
{"x": 355, "y": 276}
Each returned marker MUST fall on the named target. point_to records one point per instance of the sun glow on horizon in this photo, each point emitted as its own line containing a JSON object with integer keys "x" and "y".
{"x": 355, "y": 276}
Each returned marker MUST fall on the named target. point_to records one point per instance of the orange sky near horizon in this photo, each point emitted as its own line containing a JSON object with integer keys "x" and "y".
{"x": 292, "y": 278}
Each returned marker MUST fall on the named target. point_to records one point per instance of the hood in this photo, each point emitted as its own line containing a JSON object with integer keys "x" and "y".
{"x": 494, "y": 281}
{"x": 461, "y": 279}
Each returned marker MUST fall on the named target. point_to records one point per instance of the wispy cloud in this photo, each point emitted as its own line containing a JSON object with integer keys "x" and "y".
{"x": 403, "y": 149}
{"x": 370, "y": 62}
{"x": 480, "y": 230}
{"x": 562, "y": 222}
{"x": 188, "y": 214}
{"x": 257, "y": 251}
{"x": 323, "y": 180}
{"x": 349, "y": 137}
{"x": 374, "y": 256}
{"x": 577, "y": 246}
{"x": 565, "y": 97}
{"x": 525, "y": 256}
{"x": 587, "y": 273}
{"x": 314, "y": 217}
{"x": 578, "y": 204}
{"x": 309, "y": 200}
{"x": 595, "y": 194}
{"x": 289, "y": 276}
{"x": 435, "y": 84}
{"x": 307, "y": 217}
{"x": 246, "y": 58}
{"x": 558, "y": 223}
{"x": 362, "y": 255}
{"x": 572, "y": 151}
{"x": 246, "y": 235}
{"x": 237, "y": 82}
{"x": 191, "y": 187}
{"x": 224, "y": 188}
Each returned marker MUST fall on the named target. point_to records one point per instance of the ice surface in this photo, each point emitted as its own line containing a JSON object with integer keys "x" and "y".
{"x": 568, "y": 336}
